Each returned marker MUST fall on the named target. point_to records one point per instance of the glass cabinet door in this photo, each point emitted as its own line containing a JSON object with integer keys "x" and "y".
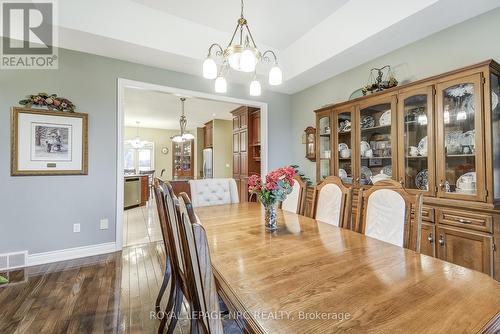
{"x": 416, "y": 145}
{"x": 345, "y": 139}
{"x": 459, "y": 159}
{"x": 324, "y": 129}
{"x": 377, "y": 142}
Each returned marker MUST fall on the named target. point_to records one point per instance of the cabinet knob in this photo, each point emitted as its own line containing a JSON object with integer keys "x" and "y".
{"x": 441, "y": 241}
{"x": 430, "y": 238}
{"x": 402, "y": 182}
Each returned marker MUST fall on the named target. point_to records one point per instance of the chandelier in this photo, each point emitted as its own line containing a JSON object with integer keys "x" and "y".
{"x": 241, "y": 54}
{"x": 183, "y": 136}
{"x": 136, "y": 142}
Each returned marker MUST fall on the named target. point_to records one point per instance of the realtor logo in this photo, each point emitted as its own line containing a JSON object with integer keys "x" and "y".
{"x": 28, "y": 31}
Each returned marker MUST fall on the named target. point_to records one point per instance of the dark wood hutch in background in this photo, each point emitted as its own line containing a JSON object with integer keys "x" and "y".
{"x": 246, "y": 147}
{"x": 439, "y": 136}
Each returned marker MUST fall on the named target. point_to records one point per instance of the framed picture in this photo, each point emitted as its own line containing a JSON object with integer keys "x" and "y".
{"x": 48, "y": 142}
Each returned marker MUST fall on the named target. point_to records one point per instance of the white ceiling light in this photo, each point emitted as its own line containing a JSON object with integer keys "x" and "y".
{"x": 241, "y": 55}
{"x": 136, "y": 142}
{"x": 255, "y": 87}
{"x": 183, "y": 136}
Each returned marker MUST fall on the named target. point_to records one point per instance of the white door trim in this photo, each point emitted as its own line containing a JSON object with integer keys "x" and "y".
{"x": 120, "y": 124}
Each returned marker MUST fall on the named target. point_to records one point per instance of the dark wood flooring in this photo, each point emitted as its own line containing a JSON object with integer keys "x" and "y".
{"x": 112, "y": 293}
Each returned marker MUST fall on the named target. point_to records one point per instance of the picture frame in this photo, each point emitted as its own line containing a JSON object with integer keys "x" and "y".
{"x": 45, "y": 142}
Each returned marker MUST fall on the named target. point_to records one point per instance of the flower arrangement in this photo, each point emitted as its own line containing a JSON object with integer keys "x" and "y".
{"x": 278, "y": 184}
{"x": 52, "y": 102}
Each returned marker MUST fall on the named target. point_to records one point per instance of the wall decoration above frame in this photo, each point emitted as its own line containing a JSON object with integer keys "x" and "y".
{"x": 48, "y": 142}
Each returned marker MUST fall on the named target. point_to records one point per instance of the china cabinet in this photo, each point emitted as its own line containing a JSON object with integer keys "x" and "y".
{"x": 182, "y": 159}
{"x": 439, "y": 136}
{"x": 324, "y": 141}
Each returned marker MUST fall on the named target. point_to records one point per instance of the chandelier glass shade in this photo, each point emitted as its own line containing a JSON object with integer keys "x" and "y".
{"x": 242, "y": 55}
{"x": 183, "y": 136}
{"x": 136, "y": 142}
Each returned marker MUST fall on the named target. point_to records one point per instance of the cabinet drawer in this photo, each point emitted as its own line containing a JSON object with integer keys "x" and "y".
{"x": 470, "y": 220}
{"x": 427, "y": 214}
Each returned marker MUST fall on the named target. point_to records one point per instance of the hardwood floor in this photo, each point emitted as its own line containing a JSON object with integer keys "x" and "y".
{"x": 112, "y": 293}
{"x": 141, "y": 225}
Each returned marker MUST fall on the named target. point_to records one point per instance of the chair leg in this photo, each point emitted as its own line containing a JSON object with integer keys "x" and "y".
{"x": 166, "y": 277}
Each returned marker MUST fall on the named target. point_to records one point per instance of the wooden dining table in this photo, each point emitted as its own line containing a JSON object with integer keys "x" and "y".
{"x": 312, "y": 277}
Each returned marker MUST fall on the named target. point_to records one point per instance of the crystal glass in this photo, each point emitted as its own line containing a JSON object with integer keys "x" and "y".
{"x": 325, "y": 153}
{"x": 459, "y": 136}
{"x": 416, "y": 158}
{"x": 344, "y": 140}
{"x": 375, "y": 142}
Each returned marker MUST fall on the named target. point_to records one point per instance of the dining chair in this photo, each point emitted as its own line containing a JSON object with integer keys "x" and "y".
{"x": 295, "y": 201}
{"x": 168, "y": 204}
{"x": 209, "y": 192}
{"x": 385, "y": 213}
{"x": 201, "y": 281}
{"x": 332, "y": 202}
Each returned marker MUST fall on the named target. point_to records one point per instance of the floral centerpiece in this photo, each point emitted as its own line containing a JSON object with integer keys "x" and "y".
{"x": 278, "y": 184}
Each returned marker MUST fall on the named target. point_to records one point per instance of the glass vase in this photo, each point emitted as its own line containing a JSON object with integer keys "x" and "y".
{"x": 271, "y": 216}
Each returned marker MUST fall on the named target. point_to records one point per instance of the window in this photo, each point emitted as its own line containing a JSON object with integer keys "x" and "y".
{"x": 139, "y": 159}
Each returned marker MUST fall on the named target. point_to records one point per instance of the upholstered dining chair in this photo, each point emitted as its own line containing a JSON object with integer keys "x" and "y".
{"x": 332, "y": 202}
{"x": 385, "y": 213}
{"x": 200, "y": 278}
{"x": 295, "y": 201}
{"x": 208, "y": 192}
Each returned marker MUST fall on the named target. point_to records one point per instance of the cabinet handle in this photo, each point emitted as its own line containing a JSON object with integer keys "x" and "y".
{"x": 441, "y": 240}
{"x": 464, "y": 221}
{"x": 430, "y": 238}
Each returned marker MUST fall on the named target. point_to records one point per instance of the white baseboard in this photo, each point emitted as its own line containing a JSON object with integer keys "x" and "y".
{"x": 70, "y": 253}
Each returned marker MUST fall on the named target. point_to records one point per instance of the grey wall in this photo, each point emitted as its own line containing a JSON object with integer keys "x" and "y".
{"x": 38, "y": 213}
{"x": 467, "y": 43}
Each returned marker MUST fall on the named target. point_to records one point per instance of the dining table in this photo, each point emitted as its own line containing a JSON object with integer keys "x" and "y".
{"x": 313, "y": 277}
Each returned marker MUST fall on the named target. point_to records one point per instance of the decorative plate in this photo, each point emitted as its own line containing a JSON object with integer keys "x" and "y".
{"x": 343, "y": 146}
{"x": 422, "y": 147}
{"x": 494, "y": 100}
{"x": 357, "y": 93}
{"x": 385, "y": 119}
{"x": 364, "y": 147}
{"x": 387, "y": 170}
{"x": 367, "y": 122}
{"x": 463, "y": 179}
{"x": 366, "y": 173}
{"x": 421, "y": 180}
{"x": 342, "y": 173}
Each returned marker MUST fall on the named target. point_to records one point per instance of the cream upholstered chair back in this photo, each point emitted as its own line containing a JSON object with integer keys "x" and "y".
{"x": 386, "y": 210}
{"x": 294, "y": 202}
{"x": 208, "y": 192}
{"x": 202, "y": 289}
{"x": 332, "y": 202}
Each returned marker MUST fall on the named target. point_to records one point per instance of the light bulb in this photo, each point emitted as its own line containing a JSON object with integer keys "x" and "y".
{"x": 220, "y": 85}
{"x": 247, "y": 61}
{"x": 255, "y": 88}
{"x": 234, "y": 60}
{"x": 209, "y": 68}
{"x": 275, "y": 76}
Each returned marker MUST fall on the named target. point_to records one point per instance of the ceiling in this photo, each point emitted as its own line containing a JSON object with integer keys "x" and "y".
{"x": 314, "y": 40}
{"x": 162, "y": 110}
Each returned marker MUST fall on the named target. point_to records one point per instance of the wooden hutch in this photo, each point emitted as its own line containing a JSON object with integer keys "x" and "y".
{"x": 439, "y": 136}
{"x": 246, "y": 147}
{"x": 182, "y": 159}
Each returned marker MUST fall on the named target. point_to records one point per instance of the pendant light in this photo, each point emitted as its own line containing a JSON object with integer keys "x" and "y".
{"x": 183, "y": 136}
{"x": 136, "y": 142}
